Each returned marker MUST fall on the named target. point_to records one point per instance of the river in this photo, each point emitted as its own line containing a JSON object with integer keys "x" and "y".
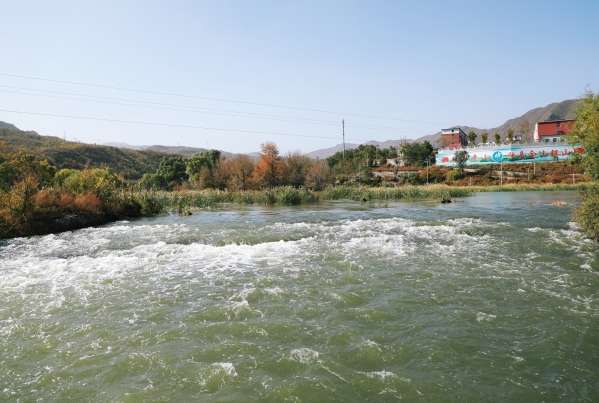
{"x": 492, "y": 298}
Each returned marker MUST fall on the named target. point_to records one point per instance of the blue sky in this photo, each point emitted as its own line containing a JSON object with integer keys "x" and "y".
{"x": 440, "y": 63}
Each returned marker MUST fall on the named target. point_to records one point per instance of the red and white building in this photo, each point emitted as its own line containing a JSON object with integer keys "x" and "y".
{"x": 453, "y": 137}
{"x": 551, "y": 131}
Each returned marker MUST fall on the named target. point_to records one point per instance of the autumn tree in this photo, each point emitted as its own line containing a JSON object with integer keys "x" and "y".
{"x": 471, "y": 136}
{"x": 269, "y": 168}
{"x": 484, "y": 136}
{"x": 319, "y": 176}
{"x": 222, "y": 174}
{"x": 295, "y": 169}
{"x": 524, "y": 128}
{"x": 242, "y": 168}
{"x": 510, "y": 135}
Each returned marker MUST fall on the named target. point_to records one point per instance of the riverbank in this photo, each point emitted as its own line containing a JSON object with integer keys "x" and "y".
{"x": 146, "y": 203}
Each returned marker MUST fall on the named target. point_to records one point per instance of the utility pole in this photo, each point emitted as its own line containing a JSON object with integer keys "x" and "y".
{"x": 343, "y": 124}
{"x": 501, "y": 174}
{"x": 64, "y": 136}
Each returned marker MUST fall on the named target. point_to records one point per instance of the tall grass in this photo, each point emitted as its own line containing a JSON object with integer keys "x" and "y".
{"x": 531, "y": 187}
{"x": 155, "y": 202}
{"x": 425, "y": 192}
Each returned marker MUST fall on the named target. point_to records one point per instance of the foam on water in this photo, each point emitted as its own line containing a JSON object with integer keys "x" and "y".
{"x": 339, "y": 305}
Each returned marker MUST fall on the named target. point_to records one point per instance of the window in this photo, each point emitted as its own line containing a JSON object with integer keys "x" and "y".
{"x": 555, "y": 139}
{"x": 558, "y": 124}
{"x": 560, "y": 132}
{"x": 546, "y": 140}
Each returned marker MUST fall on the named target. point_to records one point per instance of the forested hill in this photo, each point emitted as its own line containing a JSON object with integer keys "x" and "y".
{"x": 132, "y": 164}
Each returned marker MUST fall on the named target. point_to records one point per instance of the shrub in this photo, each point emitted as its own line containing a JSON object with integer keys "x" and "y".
{"x": 587, "y": 214}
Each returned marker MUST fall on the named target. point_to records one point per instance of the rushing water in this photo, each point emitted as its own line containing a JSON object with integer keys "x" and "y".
{"x": 492, "y": 298}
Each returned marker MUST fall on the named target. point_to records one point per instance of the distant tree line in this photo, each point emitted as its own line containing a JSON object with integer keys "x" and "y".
{"x": 210, "y": 170}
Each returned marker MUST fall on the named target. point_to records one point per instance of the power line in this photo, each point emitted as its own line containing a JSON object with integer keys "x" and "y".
{"x": 172, "y": 125}
{"x": 203, "y": 110}
{"x": 216, "y": 99}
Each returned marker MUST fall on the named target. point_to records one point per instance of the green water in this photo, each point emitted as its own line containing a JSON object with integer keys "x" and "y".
{"x": 493, "y": 298}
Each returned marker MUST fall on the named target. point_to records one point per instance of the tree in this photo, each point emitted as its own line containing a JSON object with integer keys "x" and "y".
{"x": 585, "y": 135}
{"x": 471, "y": 136}
{"x": 510, "y": 134}
{"x": 524, "y": 127}
{"x": 416, "y": 153}
{"x": 222, "y": 174}
{"x": 460, "y": 158}
{"x": 497, "y": 138}
{"x": 268, "y": 170}
{"x": 242, "y": 168}
{"x": 319, "y": 176}
{"x": 295, "y": 169}
{"x": 171, "y": 172}
{"x": 484, "y": 136}
{"x": 200, "y": 167}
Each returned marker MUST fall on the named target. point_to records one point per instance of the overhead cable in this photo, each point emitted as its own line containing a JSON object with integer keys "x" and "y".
{"x": 216, "y": 99}
{"x": 173, "y": 125}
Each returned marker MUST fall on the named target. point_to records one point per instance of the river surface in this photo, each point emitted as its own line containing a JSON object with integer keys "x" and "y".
{"x": 492, "y": 298}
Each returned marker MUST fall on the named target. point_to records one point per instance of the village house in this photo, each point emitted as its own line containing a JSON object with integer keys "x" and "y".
{"x": 552, "y": 131}
{"x": 454, "y": 137}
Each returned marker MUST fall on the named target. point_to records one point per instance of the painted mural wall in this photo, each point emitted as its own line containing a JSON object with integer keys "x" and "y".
{"x": 511, "y": 153}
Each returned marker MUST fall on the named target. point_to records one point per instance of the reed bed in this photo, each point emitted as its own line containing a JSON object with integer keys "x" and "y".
{"x": 531, "y": 187}
{"x": 425, "y": 192}
{"x": 156, "y": 202}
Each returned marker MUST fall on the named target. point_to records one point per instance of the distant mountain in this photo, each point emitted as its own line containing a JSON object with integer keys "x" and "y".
{"x": 178, "y": 150}
{"x": 8, "y": 125}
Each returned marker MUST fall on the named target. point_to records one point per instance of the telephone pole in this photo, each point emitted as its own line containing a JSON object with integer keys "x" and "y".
{"x": 343, "y": 124}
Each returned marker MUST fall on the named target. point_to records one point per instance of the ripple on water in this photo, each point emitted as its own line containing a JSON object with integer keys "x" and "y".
{"x": 377, "y": 306}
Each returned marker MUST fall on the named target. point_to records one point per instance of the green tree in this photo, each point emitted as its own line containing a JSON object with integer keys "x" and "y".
{"x": 497, "y": 138}
{"x": 170, "y": 173}
{"x": 471, "y": 136}
{"x": 204, "y": 161}
{"x": 484, "y": 136}
{"x": 416, "y": 153}
{"x": 585, "y": 134}
{"x": 460, "y": 158}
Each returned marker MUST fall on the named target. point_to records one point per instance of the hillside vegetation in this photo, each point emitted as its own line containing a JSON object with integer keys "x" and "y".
{"x": 130, "y": 164}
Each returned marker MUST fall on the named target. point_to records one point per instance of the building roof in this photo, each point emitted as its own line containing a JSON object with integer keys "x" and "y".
{"x": 558, "y": 120}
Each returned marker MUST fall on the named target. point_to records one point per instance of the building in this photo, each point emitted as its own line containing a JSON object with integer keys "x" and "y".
{"x": 453, "y": 137}
{"x": 551, "y": 131}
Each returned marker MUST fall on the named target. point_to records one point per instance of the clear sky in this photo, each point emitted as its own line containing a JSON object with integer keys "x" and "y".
{"x": 441, "y": 63}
